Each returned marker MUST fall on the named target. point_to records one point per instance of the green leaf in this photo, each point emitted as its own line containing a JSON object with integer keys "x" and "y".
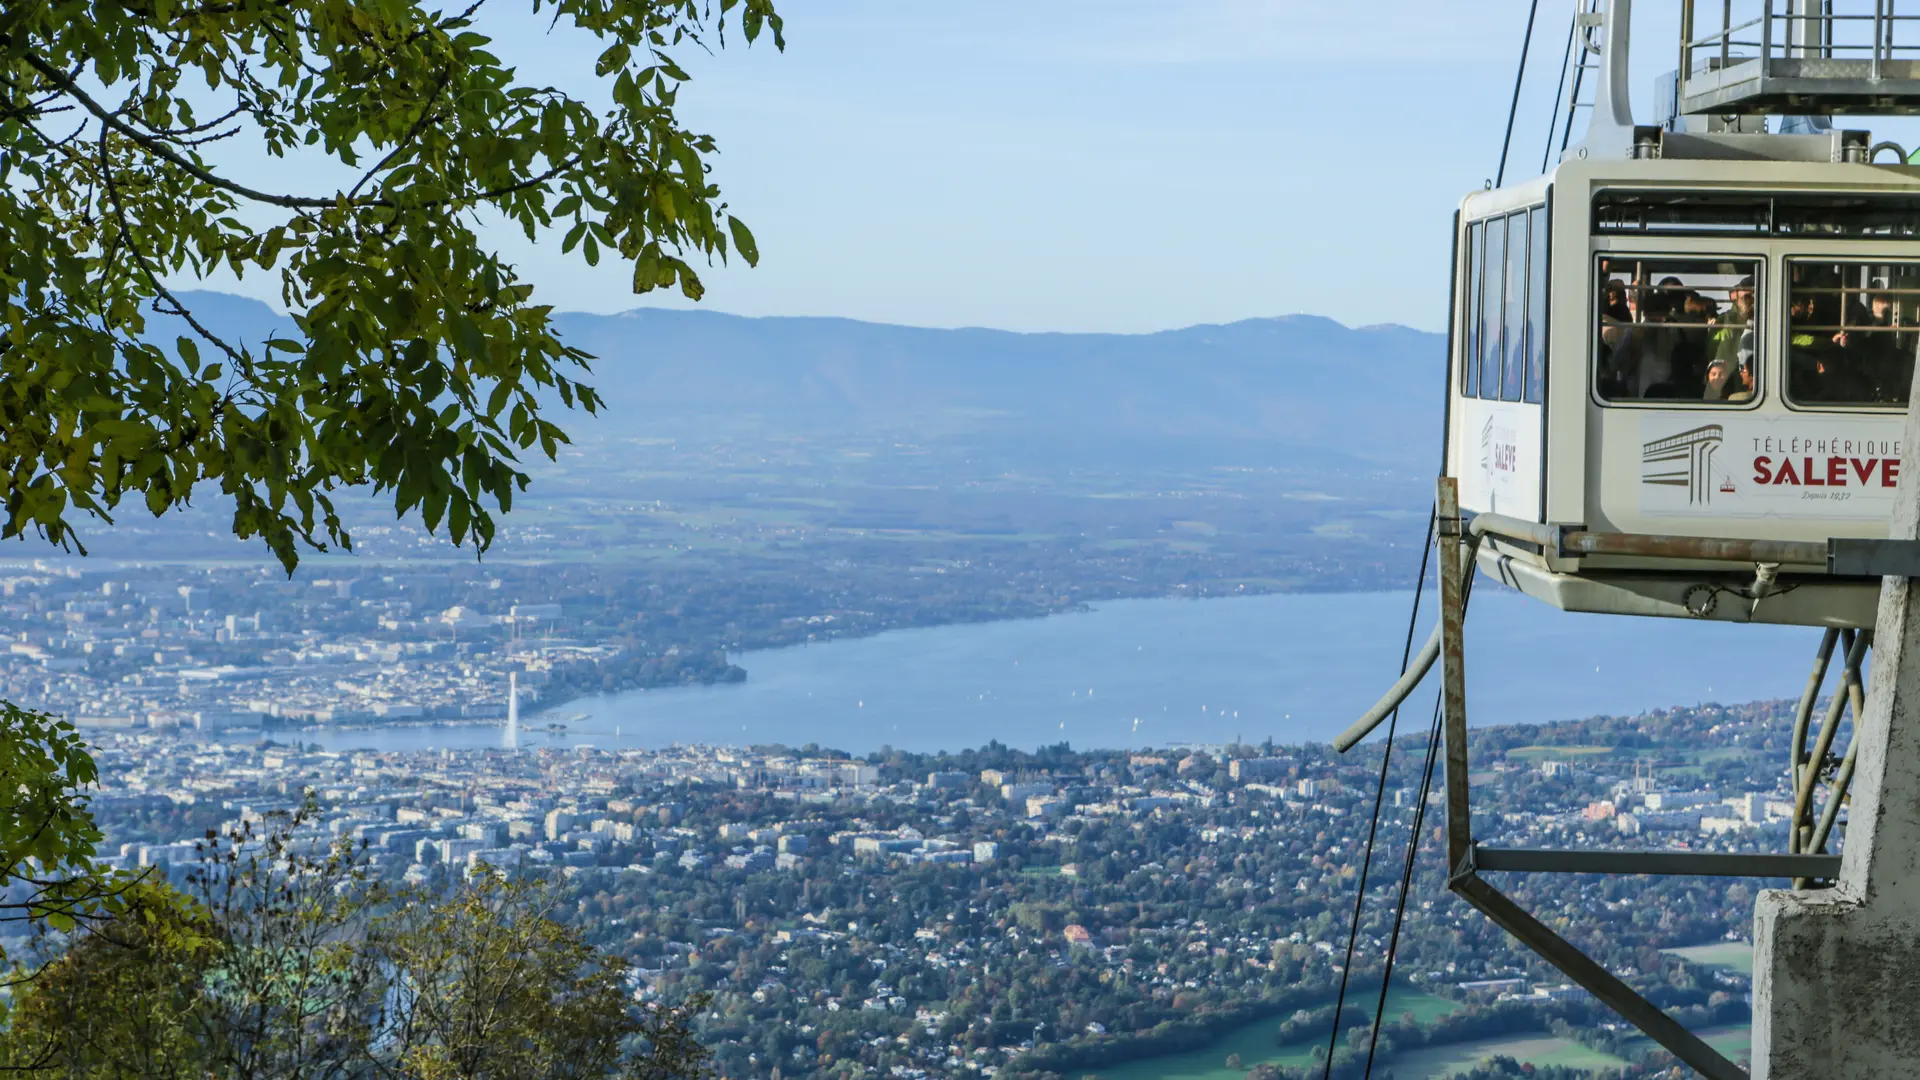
{"x": 409, "y": 321}
{"x": 616, "y": 56}
{"x": 743, "y": 240}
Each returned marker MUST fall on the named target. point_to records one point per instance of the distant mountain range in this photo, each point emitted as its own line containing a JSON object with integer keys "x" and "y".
{"x": 1258, "y": 390}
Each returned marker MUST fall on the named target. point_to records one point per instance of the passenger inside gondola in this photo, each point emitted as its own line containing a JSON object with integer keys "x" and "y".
{"x": 1675, "y": 330}
{"x": 1686, "y": 341}
{"x": 1728, "y": 381}
{"x": 1848, "y": 337}
{"x": 1639, "y": 348}
{"x": 1818, "y": 370}
{"x": 1891, "y": 345}
{"x": 1730, "y": 343}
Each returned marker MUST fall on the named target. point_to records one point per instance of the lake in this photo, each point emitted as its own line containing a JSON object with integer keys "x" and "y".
{"x": 1294, "y": 667}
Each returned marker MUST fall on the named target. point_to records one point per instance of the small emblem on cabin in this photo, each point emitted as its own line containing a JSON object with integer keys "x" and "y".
{"x": 1684, "y": 460}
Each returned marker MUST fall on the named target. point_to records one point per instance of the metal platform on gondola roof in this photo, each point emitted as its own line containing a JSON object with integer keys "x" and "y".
{"x": 1799, "y": 57}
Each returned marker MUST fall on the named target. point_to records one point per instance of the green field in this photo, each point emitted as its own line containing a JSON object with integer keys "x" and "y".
{"x": 1254, "y": 1043}
{"x": 1437, "y": 1061}
{"x": 1537, "y": 753}
{"x": 1733, "y": 1040}
{"x": 1733, "y": 955}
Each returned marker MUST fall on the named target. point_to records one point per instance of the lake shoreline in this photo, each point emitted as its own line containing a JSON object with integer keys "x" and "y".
{"x": 1293, "y": 667}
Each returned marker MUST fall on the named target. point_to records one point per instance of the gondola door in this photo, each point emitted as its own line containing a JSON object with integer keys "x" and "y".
{"x": 1500, "y": 364}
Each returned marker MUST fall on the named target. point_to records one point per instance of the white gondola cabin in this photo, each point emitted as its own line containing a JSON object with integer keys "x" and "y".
{"x": 1680, "y": 367}
{"x": 1688, "y": 334}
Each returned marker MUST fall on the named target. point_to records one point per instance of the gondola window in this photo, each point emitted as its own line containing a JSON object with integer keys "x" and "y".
{"x": 1537, "y": 306}
{"x": 1852, "y": 328}
{"x": 1469, "y": 369}
{"x": 1513, "y": 367}
{"x": 1470, "y": 366}
{"x": 1676, "y": 330}
{"x": 1492, "y": 277}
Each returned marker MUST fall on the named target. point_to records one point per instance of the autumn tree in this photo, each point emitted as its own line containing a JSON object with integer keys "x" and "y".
{"x": 496, "y": 987}
{"x": 123, "y": 1002}
{"x": 285, "y": 959}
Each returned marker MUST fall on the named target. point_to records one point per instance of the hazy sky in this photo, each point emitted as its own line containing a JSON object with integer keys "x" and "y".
{"x": 1096, "y": 164}
{"x": 1117, "y": 165}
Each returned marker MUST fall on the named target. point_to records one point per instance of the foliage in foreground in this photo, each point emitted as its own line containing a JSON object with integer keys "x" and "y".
{"x": 421, "y": 364}
{"x": 48, "y": 840}
{"x": 283, "y": 961}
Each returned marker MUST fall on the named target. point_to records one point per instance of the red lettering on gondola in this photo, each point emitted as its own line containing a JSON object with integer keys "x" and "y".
{"x": 1840, "y": 472}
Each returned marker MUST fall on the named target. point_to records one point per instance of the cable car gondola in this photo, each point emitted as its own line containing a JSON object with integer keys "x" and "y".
{"x": 1678, "y": 382}
{"x": 1683, "y": 355}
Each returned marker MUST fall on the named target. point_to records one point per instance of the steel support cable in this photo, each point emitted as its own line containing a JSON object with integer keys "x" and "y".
{"x": 1802, "y": 719}
{"x": 1843, "y": 779}
{"x": 1477, "y": 530}
{"x": 1379, "y": 794}
{"x": 1855, "y": 644}
{"x": 1433, "y": 734}
{"x": 1513, "y": 108}
{"x": 1389, "y": 703}
{"x": 1413, "y": 851}
{"x": 1559, "y": 89}
{"x": 1406, "y": 882}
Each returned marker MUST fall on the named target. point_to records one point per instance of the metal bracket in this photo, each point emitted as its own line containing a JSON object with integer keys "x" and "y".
{"x": 1596, "y": 980}
{"x": 1465, "y": 859}
{"x": 1689, "y": 863}
{"x": 1873, "y": 558}
{"x": 1842, "y": 556}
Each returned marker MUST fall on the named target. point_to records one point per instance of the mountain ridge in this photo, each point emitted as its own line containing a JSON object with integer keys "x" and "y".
{"x": 1253, "y": 389}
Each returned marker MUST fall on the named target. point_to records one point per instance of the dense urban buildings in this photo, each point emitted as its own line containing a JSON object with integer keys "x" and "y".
{"x": 1007, "y": 912}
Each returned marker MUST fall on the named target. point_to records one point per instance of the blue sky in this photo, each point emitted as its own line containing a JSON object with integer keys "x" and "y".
{"x": 1113, "y": 165}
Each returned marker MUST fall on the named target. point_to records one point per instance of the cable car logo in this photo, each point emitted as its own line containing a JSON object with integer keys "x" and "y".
{"x": 1498, "y": 451}
{"x": 1683, "y": 460}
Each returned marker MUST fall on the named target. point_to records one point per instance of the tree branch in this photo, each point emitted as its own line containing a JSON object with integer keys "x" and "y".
{"x": 241, "y": 362}
{"x": 291, "y": 202}
{"x": 426, "y": 114}
{"x": 160, "y": 148}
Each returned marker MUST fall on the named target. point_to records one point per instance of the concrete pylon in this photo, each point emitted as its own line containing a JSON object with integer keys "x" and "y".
{"x": 1836, "y": 976}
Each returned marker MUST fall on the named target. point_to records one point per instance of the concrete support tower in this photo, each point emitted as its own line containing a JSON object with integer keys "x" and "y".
{"x": 1836, "y": 977}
